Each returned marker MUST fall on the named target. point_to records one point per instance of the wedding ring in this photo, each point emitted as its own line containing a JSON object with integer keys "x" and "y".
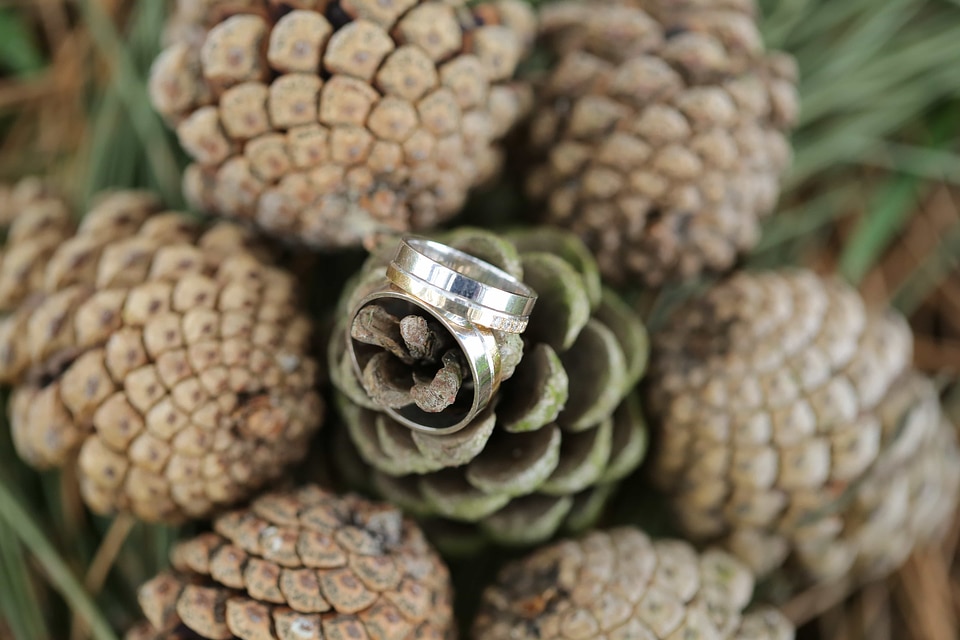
{"x": 461, "y": 308}
{"x": 479, "y": 348}
{"x": 466, "y": 283}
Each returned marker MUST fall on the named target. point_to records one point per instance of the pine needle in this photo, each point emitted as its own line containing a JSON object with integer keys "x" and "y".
{"x": 102, "y": 562}
{"x": 19, "y": 51}
{"x": 19, "y": 520}
{"x": 19, "y": 606}
{"x": 886, "y": 215}
{"x": 131, "y": 89}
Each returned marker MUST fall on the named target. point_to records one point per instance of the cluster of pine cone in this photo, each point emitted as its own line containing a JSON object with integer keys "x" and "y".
{"x": 172, "y": 366}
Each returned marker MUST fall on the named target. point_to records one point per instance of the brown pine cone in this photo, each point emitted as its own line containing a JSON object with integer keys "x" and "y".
{"x": 619, "y": 584}
{"x": 35, "y": 221}
{"x": 793, "y": 430}
{"x": 171, "y": 359}
{"x": 302, "y": 565}
{"x": 661, "y": 132}
{"x": 341, "y": 119}
{"x": 559, "y": 435}
{"x": 145, "y": 631}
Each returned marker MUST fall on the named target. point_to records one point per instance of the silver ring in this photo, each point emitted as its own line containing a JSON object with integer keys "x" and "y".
{"x": 465, "y": 276}
{"x": 479, "y": 348}
{"x": 457, "y": 305}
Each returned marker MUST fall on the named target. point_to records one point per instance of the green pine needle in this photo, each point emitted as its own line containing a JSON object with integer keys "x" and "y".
{"x": 885, "y": 217}
{"x": 131, "y": 89}
{"x": 19, "y": 51}
{"x": 58, "y": 573}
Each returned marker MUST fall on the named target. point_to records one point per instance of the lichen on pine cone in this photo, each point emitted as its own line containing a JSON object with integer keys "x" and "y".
{"x": 793, "y": 430}
{"x": 660, "y": 132}
{"x": 620, "y": 584}
{"x": 559, "y": 434}
{"x": 331, "y": 121}
{"x": 169, "y": 360}
{"x": 302, "y": 564}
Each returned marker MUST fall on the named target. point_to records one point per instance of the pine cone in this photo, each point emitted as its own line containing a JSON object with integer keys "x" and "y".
{"x": 561, "y": 430}
{"x": 341, "y": 119}
{"x": 35, "y": 221}
{"x": 298, "y": 565}
{"x": 620, "y": 584}
{"x": 145, "y": 631}
{"x": 171, "y": 360}
{"x": 792, "y": 428}
{"x": 661, "y": 132}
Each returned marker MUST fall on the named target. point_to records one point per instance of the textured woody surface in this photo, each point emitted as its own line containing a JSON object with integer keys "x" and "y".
{"x": 620, "y": 585}
{"x": 559, "y": 434}
{"x": 302, "y": 565}
{"x": 36, "y": 221}
{"x": 330, "y": 121}
{"x": 793, "y": 429}
{"x": 661, "y": 132}
{"x": 169, "y": 359}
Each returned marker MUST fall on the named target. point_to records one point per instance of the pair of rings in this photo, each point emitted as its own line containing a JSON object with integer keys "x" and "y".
{"x": 470, "y": 299}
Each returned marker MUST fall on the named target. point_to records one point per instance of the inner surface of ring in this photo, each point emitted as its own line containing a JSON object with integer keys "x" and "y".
{"x": 413, "y": 365}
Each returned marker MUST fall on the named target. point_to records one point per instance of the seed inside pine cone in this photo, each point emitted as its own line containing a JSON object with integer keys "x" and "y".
{"x": 329, "y": 123}
{"x": 302, "y": 564}
{"x": 794, "y": 432}
{"x": 620, "y": 584}
{"x": 170, "y": 361}
{"x": 558, "y": 435}
{"x": 660, "y": 133}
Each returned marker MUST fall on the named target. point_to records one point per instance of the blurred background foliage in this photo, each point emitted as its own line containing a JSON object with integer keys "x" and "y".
{"x": 873, "y": 196}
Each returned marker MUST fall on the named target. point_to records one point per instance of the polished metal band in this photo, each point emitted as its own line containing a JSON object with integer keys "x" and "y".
{"x": 464, "y": 275}
{"x": 458, "y": 306}
{"x": 480, "y": 350}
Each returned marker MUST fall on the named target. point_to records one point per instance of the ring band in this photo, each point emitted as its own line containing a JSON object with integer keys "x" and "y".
{"x": 479, "y": 347}
{"x": 461, "y": 274}
{"x": 456, "y": 305}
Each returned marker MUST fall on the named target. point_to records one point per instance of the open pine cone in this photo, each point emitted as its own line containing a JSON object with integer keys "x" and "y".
{"x": 301, "y": 565}
{"x": 792, "y": 429}
{"x": 35, "y": 221}
{"x": 561, "y": 430}
{"x": 661, "y": 132}
{"x": 329, "y": 121}
{"x": 170, "y": 360}
{"x": 620, "y": 584}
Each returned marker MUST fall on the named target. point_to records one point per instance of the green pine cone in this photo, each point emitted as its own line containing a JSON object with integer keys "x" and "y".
{"x": 560, "y": 432}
